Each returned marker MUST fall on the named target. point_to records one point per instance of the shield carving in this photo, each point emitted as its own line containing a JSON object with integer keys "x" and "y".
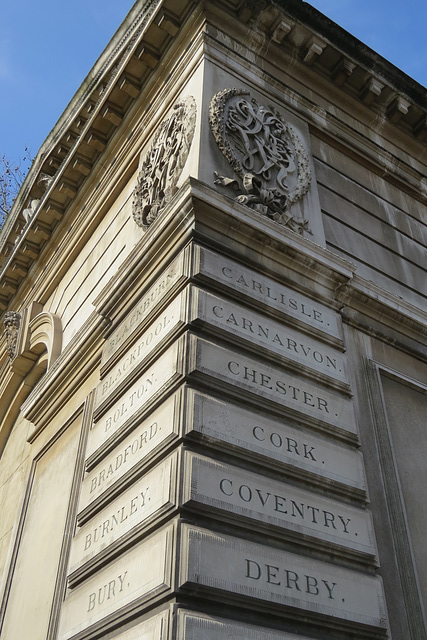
{"x": 266, "y": 154}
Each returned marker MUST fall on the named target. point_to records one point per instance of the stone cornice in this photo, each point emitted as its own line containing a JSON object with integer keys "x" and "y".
{"x": 66, "y": 159}
{"x": 338, "y": 38}
{"x": 205, "y": 215}
{"x": 71, "y": 150}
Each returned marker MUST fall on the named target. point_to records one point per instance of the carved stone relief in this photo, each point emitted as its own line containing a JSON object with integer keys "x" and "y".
{"x": 164, "y": 162}
{"x": 266, "y": 154}
{"x": 12, "y": 321}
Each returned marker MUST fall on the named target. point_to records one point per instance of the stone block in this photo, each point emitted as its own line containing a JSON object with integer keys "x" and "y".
{"x": 275, "y": 442}
{"x": 220, "y": 564}
{"x": 273, "y": 338}
{"x": 120, "y": 588}
{"x": 193, "y": 626}
{"x": 271, "y": 385}
{"x": 126, "y": 516}
{"x": 266, "y": 503}
{"x": 150, "y": 301}
{"x": 246, "y": 283}
{"x": 155, "y": 627}
{"x": 150, "y": 435}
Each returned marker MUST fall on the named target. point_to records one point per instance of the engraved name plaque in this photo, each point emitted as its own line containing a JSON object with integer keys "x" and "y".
{"x": 150, "y": 384}
{"x": 270, "y": 503}
{"x": 278, "y": 578}
{"x": 121, "y": 587}
{"x": 274, "y": 441}
{"x": 301, "y": 398}
{"x": 300, "y": 310}
{"x": 265, "y": 334}
{"x": 149, "y": 435}
{"x": 148, "y": 303}
{"x": 161, "y": 328}
{"x": 149, "y": 496}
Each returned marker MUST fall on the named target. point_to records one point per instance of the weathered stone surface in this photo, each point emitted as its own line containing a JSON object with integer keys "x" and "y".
{"x": 149, "y": 302}
{"x": 194, "y": 626}
{"x": 313, "y": 356}
{"x": 297, "y": 308}
{"x": 152, "y": 494}
{"x": 150, "y": 434}
{"x": 162, "y": 327}
{"x": 135, "y": 577}
{"x": 299, "y": 397}
{"x": 278, "y": 578}
{"x": 124, "y": 410}
{"x": 267, "y": 502}
{"x": 275, "y": 441}
{"x": 155, "y": 627}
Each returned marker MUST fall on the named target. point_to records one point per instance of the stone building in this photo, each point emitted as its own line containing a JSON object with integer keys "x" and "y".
{"x": 213, "y": 380}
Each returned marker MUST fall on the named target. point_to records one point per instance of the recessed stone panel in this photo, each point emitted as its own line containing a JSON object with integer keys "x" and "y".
{"x": 148, "y": 303}
{"x": 215, "y": 562}
{"x": 156, "y": 333}
{"x": 299, "y": 397}
{"x": 275, "y": 442}
{"x": 266, "y": 502}
{"x": 194, "y": 626}
{"x": 153, "y": 432}
{"x": 305, "y": 313}
{"x": 151, "y": 495}
{"x": 134, "y": 578}
{"x": 154, "y": 628}
{"x": 149, "y": 385}
{"x": 266, "y": 334}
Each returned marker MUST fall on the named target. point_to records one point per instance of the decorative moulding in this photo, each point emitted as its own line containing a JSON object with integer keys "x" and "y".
{"x": 265, "y": 153}
{"x": 45, "y": 334}
{"x": 34, "y": 342}
{"x": 162, "y": 165}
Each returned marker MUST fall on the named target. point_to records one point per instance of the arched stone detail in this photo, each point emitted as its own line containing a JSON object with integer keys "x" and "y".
{"x": 45, "y": 333}
{"x": 36, "y": 346}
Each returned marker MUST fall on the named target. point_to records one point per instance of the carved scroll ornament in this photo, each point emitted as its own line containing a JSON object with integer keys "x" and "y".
{"x": 266, "y": 154}
{"x": 12, "y": 321}
{"x": 164, "y": 162}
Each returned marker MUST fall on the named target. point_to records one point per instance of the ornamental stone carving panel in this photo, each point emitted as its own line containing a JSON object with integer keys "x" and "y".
{"x": 12, "y": 321}
{"x": 163, "y": 163}
{"x": 265, "y": 153}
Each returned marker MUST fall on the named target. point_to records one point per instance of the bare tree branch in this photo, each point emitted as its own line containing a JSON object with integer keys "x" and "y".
{"x": 12, "y": 175}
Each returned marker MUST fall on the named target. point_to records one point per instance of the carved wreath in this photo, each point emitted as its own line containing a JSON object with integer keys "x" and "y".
{"x": 162, "y": 166}
{"x": 266, "y": 154}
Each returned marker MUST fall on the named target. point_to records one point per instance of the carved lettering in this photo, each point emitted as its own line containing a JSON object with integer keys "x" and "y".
{"x": 259, "y": 498}
{"x": 130, "y": 450}
{"x": 109, "y": 525}
{"x": 289, "y": 579}
{"x": 147, "y": 304}
{"x": 271, "y": 334}
{"x": 107, "y": 591}
{"x": 279, "y": 386}
{"x": 273, "y": 295}
{"x": 133, "y": 400}
{"x": 290, "y": 445}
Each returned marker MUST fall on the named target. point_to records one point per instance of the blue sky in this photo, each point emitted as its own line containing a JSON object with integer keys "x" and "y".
{"x": 48, "y": 46}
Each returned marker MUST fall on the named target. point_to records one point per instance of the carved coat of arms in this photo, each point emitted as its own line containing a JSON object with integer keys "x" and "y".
{"x": 266, "y": 154}
{"x": 164, "y": 162}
